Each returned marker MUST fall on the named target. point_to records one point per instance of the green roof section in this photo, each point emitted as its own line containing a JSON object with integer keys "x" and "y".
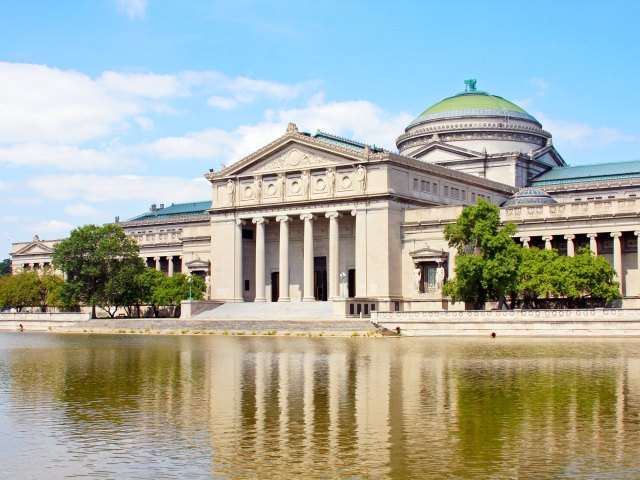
{"x": 175, "y": 210}
{"x": 589, "y": 173}
{"x": 344, "y": 142}
{"x": 473, "y": 101}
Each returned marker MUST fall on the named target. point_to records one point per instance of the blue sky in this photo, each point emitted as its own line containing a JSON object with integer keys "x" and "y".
{"x": 108, "y": 106}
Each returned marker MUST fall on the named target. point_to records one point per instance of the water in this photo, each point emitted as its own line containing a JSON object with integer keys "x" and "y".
{"x": 107, "y": 406}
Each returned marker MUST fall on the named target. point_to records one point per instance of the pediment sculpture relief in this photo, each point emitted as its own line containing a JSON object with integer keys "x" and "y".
{"x": 295, "y": 158}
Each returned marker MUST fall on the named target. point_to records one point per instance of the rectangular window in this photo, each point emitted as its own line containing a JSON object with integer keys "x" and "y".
{"x": 446, "y": 191}
{"x": 247, "y": 285}
{"x": 434, "y": 188}
{"x": 464, "y": 195}
{"x": 415, "y": 184}
{"x": 423, "y": 185}
{"x": 473, "y": 197}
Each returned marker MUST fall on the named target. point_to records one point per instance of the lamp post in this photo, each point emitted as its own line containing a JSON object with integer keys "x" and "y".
{"x": 190, "y": 280}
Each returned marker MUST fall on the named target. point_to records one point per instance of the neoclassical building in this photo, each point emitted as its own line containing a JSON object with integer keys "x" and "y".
{"x": 316, "y": 217}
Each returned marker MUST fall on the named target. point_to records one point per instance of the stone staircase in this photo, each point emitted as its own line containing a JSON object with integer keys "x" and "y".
{"x": 269, "y": 311}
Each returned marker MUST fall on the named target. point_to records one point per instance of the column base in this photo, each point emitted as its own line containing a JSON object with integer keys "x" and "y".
{"x": 308, "y": 299}
{"x": 284, "y": 299}
{"x": 263, "y": 299}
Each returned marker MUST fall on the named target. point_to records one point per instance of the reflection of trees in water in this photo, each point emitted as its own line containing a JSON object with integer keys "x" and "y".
{"x": 508, "y": 407}
{"x": 341, "y": 407}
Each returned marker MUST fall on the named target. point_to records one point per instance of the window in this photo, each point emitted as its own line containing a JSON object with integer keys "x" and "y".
{"x": 247, "y": 234}
{"x": 473, "y": 197}
{"x": 247, "y": 285}
{"x": 415, "y": 184}
{"x": 446, "y": 191}
{"x": 464, "y": 195}
{"x": 423, "y": 185}
{"x": 434, "y": 188}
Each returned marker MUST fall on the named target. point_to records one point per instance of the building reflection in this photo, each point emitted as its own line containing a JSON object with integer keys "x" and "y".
{"x": 343, "y": 407}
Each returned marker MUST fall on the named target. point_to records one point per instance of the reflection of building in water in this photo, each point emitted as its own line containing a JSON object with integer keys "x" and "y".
{"x": 383, "y": 410}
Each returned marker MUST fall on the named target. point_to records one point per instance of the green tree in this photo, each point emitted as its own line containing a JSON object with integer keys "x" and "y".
{"x": 487, "y": 256}
{"x": 19, "y": 291}
{"x": 5, "y": 267}
{"x": 98, "y": 262}
{"x": 538, "y": 276}
{"x": 175, "y": 289}
{"x": 146, "y": 284}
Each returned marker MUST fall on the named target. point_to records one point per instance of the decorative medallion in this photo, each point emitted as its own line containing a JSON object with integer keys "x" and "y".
{"x": 346, "y": 181}
{"x": 320, "y": 185}
{"x": 295, "y": 186}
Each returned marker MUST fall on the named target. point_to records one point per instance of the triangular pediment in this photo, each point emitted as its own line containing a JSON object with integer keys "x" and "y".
{"x": 35, "y": 248}
{"x": 291, "y": 152}
{"x": 439, "y": 149}
{"x": 428, "y": 254}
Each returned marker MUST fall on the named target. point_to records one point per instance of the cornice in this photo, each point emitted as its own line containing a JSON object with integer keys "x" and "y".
{"x": 166, "y": 221}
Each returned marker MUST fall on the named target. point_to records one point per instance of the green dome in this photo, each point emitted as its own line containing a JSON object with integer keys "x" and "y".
{"x": 473, "y": 101}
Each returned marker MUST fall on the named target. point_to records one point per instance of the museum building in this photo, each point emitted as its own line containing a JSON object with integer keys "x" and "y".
{"x": 317, "y": 217}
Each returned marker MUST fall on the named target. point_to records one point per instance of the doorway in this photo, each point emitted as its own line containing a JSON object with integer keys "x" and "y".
{"x": 351, "y": 283}
{"x": 320, "y": 278}
{"x": 275, "y": 286}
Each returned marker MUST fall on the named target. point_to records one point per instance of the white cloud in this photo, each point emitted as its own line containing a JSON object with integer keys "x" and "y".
{"x": 49, "y": 226}
{"x": 581, "y": 135}
{"x": 8, "y": 218}
{"x": 48, "y": 105}
{"x": 3, "y": 186}
{"x": 132, "y": 8}
{"x": 222, "y": 102}
{"x": 81, "y": 210}
{"x": 65, "y": 157}
{"x": 97, "y": 188}
{"x": 43, "y": 104}
{"x": 360, "y": 120}
{"x": 143, "y": 84}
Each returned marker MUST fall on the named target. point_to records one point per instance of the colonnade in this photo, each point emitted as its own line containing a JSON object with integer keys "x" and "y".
{"x": 170, "y": 269}
{"x": 308, "y": 294}
{"x": 593, "y": 246}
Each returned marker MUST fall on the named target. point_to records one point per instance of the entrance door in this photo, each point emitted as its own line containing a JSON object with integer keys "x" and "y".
{"x": 351, "y": 283}
{"x": 275, "y": 286}
{"x": 320, "y": 278}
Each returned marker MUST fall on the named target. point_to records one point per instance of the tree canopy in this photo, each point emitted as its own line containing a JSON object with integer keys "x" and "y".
{"x": 99, "y": 263}
{"x": 30, "y": 289}
{"x": 5, "y": 267}
{"x": 491, "y": 266}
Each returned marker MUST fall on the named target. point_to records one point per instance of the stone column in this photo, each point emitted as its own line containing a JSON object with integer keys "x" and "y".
{"x": 170, "y": 266}
{"x": 334, "y": 255}
{"x": 593, "y": 243}
{"x": 260, "y": 259}
{"x": 547, "y": 241}
{"x": 308, "y": 295}
{"x": 525, "y": 241}
{"x": 283, "y": 285}
{"x": 157, "y": 259}
{"x": 361, "y": 252}
{"x": 237, "y": 262}
{"x": 637, "y": 234}
{"x": 181, "y": 264}
{"x": 617, "y": 256}
{"x": 570, "y": 248}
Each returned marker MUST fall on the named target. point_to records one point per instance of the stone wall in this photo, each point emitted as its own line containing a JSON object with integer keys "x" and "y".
{"x": 592, "y": 322}
{"x": 40, "y": 321}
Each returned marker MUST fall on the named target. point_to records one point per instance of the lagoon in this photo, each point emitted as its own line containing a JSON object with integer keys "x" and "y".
{"x": 164, "y": 406}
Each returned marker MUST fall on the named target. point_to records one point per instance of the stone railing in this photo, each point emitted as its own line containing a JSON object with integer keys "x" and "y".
{"x": 40, "y": 321}
{"x": 593, "y": 208}
{"x": 511, "y": 315}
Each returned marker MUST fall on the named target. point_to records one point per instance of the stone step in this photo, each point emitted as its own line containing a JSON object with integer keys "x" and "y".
{"x": 269, "y": 311}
